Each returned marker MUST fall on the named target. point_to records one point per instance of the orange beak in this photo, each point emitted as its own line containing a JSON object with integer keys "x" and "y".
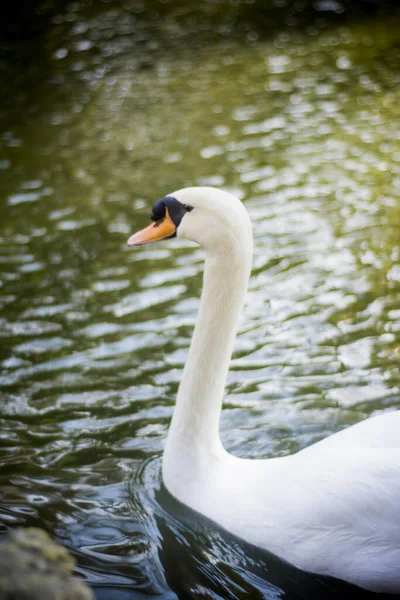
{"x": 156, "y": 231}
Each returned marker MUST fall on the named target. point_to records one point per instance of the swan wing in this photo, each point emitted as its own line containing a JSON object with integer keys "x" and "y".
{"x": 351, "y": 515}
{"x": 334, "y": 512}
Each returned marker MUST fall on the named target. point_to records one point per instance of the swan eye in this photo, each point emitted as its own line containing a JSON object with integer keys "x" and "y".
{"x": 188, "y": 207}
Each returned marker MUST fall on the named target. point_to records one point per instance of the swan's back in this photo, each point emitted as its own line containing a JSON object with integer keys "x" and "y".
{"x": 353, "y": 500}
{"x": 331, "y": 510}
{"x": 381, "y": 431}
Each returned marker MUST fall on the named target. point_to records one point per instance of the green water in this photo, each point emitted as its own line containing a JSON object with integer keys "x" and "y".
{"x": 114, "y": 106}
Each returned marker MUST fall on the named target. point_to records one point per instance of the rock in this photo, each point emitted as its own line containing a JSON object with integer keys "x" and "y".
{"x": 33, "y": 567}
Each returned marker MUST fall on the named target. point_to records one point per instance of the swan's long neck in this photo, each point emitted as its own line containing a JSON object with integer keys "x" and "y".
{"x": 193, "y": 437}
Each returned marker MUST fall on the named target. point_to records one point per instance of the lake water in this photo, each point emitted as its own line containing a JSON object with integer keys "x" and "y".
{"x": 109, "y": 107}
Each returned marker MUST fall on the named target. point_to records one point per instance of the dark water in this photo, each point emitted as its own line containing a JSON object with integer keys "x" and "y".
{"x": 106, "y": 108}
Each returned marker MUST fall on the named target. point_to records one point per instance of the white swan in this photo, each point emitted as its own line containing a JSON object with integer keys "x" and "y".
{"x": 333, "y": 508}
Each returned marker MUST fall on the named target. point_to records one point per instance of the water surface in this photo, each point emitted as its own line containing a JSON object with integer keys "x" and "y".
{"x": 113, "y": 107}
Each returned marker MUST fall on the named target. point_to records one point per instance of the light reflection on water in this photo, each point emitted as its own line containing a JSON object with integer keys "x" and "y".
{"x": 300, "y": 124}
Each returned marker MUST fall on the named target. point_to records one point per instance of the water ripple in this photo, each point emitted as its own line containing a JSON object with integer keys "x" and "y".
{"x": 300, "y": 125}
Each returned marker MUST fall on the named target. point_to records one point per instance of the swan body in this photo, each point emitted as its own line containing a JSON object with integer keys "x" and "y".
{"x": 332, "y": 508}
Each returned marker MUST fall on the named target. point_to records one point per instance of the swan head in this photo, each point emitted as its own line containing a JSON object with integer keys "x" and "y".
{"x": 205, "y": 215}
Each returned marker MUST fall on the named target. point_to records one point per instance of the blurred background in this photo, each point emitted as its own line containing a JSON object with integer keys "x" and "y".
{"x": 107, "y": 106}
